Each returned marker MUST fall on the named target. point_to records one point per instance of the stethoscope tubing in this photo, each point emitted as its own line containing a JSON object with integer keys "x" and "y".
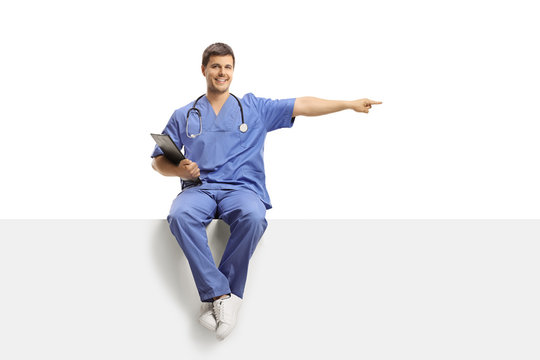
{"x": 243, "y": 126}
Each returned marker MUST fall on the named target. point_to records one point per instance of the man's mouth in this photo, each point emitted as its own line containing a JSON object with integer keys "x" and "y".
{"x": 221, "y": 81}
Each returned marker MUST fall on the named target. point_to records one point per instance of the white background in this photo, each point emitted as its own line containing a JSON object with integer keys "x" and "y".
{"x": 83, "y": 83}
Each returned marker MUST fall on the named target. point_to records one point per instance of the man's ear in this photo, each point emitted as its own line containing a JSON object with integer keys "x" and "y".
{"x": 203, "y": 69}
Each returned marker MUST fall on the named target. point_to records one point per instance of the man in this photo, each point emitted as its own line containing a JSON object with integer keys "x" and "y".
{"x": 223, "y": 139}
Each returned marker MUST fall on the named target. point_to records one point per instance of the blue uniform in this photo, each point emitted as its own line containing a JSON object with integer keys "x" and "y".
{"x": 233, "y": 186}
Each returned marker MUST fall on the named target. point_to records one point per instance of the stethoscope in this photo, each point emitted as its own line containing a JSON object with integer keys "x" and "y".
{"x": 243, "y": 127}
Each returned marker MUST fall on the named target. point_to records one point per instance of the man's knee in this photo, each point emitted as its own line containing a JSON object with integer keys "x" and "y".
{"x": 255, "y": 216}
{"x": 179, "y": 217}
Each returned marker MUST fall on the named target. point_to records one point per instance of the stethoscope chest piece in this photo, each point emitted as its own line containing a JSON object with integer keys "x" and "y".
{"x": 243, "y": 127}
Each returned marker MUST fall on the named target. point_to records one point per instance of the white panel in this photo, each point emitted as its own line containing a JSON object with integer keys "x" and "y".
{"x": 316, "y": 289}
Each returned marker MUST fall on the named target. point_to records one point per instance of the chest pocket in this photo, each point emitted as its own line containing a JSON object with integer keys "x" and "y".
{"x": 226, "y": 130}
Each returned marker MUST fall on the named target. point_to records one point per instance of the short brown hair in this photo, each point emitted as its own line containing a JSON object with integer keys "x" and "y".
{"x": 217, "y": 49}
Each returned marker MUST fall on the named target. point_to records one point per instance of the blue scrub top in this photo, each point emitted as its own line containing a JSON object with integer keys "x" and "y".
{"x": 228, "y": 158}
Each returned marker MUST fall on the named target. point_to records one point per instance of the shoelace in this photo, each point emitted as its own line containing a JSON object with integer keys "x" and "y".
{"x": 218, "y": 311}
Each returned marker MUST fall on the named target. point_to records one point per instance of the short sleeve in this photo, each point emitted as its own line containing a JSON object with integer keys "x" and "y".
{"x": 276, "y": 114}
{"x": 173, "y": 130}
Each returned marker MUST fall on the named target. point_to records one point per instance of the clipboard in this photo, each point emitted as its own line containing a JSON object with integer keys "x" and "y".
{"x": 170, "y": 150}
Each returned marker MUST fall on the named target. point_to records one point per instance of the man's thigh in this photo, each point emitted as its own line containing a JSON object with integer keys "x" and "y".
{"x": 194, "y": 203}
{"x": 233, "y": 204}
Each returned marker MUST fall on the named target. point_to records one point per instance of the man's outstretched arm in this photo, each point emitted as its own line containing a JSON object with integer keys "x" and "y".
{"x": 312, "y": 106}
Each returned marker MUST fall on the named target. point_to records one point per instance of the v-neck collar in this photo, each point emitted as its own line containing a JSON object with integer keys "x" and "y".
{"x": 220, "y": 110}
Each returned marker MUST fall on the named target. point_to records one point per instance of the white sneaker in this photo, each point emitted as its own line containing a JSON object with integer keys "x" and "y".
{"x": 226, "y": 310}
{"x": 207, "y": 318}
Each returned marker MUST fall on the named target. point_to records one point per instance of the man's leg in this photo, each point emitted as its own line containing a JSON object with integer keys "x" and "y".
{"x": 190, "y": 213}
{"x": 245, "y": 214}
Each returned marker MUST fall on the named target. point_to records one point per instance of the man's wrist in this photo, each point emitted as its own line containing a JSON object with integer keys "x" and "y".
{"x": 181, "y": 173}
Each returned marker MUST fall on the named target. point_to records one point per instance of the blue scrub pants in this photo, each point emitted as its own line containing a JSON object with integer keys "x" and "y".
{"x": 192, "y": 210}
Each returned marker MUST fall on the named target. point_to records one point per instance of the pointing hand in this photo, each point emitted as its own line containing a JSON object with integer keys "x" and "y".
{"x": 363, "y": 105}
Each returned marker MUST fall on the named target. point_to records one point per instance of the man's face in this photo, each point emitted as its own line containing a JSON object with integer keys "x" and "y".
{"x": 218, "y": 73}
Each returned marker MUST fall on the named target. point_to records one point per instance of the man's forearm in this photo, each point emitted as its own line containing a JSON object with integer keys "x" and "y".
{"x": 187, "y": 169}
{"x": 165, "y": 167}
{"x": 312, "y": 106}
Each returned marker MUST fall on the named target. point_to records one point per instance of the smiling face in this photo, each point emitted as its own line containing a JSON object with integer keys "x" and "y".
{"x": 218, "y": 74}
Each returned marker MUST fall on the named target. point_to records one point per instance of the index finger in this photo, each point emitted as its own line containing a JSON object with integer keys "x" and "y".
{"x": 375, "y": 102}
